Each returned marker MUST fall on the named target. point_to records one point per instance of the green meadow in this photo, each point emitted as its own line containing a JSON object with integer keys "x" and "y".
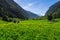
{"x": 30, "y": 30}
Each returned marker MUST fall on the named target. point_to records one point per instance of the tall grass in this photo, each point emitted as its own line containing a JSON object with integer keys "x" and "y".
{"x": 30, "y": 30}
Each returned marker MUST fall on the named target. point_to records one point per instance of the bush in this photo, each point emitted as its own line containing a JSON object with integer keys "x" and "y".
{"x": 15, "y": 20}
{"x": 49, "y": 17}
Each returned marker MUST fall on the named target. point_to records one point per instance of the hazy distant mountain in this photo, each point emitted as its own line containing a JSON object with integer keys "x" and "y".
{"x": 9, "y": 8}
{"x": 54, "y": 10}
{"x": 31, "y": 15}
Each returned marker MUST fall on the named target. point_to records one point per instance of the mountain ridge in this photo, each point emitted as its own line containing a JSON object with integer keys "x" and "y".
{"x": 9, "y": 8}
{"x": 54, "y": 10}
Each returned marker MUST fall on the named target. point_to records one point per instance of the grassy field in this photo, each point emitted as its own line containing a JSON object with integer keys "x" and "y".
{"x": 30, "y": 30}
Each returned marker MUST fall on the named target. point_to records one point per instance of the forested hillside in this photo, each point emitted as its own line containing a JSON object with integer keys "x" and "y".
{"x": 54, "y": 10}
{"x": 10, "y": 9}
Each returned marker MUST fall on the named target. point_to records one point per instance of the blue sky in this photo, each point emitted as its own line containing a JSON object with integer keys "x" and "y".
{"x": 38, "y": 7}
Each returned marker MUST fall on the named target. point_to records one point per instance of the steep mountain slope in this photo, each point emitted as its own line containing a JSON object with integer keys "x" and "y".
{"x": 54, "y": 10}
{"x": 10, "y": 9}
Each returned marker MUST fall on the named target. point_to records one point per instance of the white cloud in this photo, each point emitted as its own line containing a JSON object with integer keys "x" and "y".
{"x": 29, "y": 5}
{"x": 15, "y": 0}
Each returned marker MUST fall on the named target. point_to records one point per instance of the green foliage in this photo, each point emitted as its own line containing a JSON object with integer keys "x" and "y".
{"x": 49, "y": 17}
{"x": 40, "y": 18}
{"x": 30, "y": 30}
{"x": 43, "y": 17}
{"x": 16, "y": 20}
{"x": 6, "y": 18}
